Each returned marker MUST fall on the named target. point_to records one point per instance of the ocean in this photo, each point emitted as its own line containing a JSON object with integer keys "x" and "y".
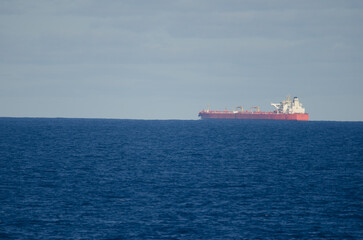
{"x": 179, "y": 179}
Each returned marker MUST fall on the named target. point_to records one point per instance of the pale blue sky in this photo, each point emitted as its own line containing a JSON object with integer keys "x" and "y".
{"x": 170, "y": 59}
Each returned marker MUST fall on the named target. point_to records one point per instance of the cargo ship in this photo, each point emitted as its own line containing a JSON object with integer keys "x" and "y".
{"x": 285, "y": 110}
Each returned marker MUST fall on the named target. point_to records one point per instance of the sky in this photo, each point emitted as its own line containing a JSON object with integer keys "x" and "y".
{"x": 156, "y": 59}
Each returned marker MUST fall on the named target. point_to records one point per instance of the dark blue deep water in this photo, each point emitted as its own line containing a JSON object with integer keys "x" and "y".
{"x": 226, "y": 179}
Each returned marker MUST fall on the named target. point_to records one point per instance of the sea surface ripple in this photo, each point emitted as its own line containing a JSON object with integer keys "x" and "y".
{"x": 176, "y": 179}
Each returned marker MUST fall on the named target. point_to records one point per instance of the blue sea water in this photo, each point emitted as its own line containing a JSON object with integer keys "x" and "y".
{"x": 144, "y": 179}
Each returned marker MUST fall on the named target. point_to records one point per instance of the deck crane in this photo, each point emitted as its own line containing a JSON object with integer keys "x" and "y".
{"x": 257, "y": 108}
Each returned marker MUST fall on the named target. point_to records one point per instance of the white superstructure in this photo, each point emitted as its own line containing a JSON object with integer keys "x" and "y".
{"x": 288, "y": 106}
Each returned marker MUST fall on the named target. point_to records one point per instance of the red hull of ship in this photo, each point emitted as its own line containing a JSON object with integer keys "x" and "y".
{"x": 253, "y": 115}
